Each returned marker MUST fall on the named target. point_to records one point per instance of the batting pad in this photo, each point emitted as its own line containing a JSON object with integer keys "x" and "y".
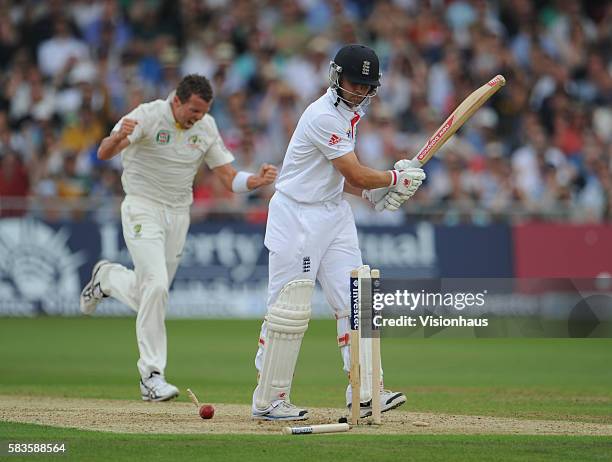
{"x": 286, "y": 322}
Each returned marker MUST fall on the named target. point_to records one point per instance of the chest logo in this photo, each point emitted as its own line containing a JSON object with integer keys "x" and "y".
{"x": 194, "y": 141}
{"x": 162, "y": 137}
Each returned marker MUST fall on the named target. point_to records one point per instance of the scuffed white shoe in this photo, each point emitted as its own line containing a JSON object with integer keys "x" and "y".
{"x": 92, "y": 293}
{"x": 155, "y": 388}
{"x": 280, "y": 410}
{"x": 388, "y": 400}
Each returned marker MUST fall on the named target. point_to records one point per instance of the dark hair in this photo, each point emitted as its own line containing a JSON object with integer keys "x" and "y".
{"x": 194, "y": 84}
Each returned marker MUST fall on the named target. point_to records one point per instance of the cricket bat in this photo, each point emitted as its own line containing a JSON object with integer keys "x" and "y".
{"x": 459, "y": 116}
{"x": 454, "y": 122}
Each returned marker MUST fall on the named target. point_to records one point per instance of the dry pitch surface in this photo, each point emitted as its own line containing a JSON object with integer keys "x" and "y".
{"x": 122, "y": 416}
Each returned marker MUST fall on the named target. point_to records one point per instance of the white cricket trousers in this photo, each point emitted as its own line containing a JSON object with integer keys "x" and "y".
{"x": 155, "y": 236}
{"x": 317, "y": 242}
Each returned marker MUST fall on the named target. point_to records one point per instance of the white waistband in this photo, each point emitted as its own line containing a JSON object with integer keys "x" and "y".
{"x": 325, "y": 204}
{"x": 148, "y": 202}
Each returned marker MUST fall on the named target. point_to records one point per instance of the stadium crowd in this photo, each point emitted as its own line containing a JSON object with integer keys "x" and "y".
{"x": 541, "y": 149}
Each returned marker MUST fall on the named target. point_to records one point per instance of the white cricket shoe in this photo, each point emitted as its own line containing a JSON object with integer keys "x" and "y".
{"x": 280, "y": 410}
{"x": 388, "y": 400}
{"x": 155, "y": 388}
{"x": 92, "y": 293}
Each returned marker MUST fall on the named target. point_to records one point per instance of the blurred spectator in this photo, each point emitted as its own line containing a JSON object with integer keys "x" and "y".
{"x": 291, "y": 31}
{"x": 494, "y": 182}
{"x": 9, "y": 39}
{"x": 14, "y": 186}
{"x": 536, "y": 165}
{"x": 102, "y": 25}
{"x": 62, "y": 51}
{"x": 83, "y": 132}
{"x": 315, "y": 63}
{"x": 70, "y": 184}
{"x": 30, "y": 97}
{"x": 278, "y": 113}
{"x": 104, "y": 193}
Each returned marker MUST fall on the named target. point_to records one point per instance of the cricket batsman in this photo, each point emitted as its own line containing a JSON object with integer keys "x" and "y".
{"x": 163, "y": 144}
{"x": 311, "y": 232}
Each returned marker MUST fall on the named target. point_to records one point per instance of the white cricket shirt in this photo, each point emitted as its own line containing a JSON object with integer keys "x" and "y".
{"x": 162, "y": 159}
{"x": 323, "y": 133}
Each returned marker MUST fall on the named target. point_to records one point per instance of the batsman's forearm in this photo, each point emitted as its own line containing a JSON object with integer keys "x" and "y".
{"x": 368, "y": 178}
{"x": 350, "y": 189}
{"x": 111, "y": 146}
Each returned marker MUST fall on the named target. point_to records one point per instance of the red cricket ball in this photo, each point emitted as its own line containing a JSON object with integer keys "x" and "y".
{"x": 207, "y": 411}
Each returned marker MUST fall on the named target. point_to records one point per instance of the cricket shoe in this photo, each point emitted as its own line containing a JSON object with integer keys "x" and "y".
{"x": 155, "y": 388}
{"x": 388, "y": 400}
{"x": 92, "y": 292}
{"x": 280, "y": 410}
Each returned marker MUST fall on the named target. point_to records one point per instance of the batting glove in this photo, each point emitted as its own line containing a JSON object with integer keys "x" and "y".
{"x": 405, "y": 164}
{"x": 407, "y": 181}
{"x": 375, "y": 197}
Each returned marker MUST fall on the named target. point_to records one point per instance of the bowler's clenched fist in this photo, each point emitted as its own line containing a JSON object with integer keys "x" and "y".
{"x": 127, "y": 127}
{"x": 267, "y": 173}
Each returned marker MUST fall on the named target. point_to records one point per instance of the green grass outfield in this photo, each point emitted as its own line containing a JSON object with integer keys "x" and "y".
{"x": 95, "y": 446}
{"x": 565, "y": 379}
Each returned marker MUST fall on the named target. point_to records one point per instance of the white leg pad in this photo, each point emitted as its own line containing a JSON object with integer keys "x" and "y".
{"x": 286, "y": 322}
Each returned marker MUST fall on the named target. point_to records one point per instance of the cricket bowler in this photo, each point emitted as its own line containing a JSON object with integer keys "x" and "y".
{"x": 163, "y": 144}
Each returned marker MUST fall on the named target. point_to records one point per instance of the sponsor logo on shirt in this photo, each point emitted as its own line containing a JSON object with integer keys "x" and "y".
{"x": 162, "y": 137}
{"x": 335, "y": 139}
